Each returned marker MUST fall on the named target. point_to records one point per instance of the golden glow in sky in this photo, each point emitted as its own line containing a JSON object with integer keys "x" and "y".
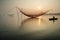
{"x": 38, "y": 7}
{"x": 41, "y": 4}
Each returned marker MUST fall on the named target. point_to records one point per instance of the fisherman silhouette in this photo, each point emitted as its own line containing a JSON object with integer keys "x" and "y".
{"x": 53, "y": 19}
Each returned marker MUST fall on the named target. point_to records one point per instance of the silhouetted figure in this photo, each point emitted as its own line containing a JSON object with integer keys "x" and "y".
{"x": 53, "y": 19}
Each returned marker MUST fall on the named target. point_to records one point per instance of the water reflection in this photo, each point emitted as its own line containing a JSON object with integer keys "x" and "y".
{"x": 33, "y": 22}
{"x": 39, "y": 28}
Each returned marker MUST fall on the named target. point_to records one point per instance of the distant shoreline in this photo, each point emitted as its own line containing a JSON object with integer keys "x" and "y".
{"x": 53, "y": 14}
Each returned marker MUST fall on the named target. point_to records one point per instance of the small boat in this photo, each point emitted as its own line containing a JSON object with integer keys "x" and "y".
{"x": 53, "y": 19}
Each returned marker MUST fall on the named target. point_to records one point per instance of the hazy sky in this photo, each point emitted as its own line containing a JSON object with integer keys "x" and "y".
{"x": 42, "y": 4}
